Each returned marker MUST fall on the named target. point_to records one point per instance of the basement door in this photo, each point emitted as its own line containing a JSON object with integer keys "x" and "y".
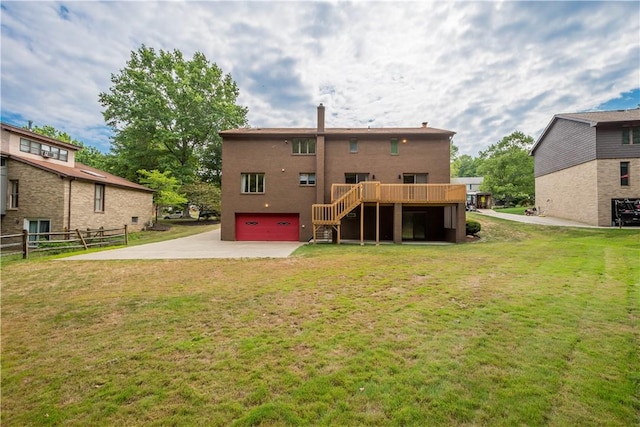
{"x": 267, "y": 227}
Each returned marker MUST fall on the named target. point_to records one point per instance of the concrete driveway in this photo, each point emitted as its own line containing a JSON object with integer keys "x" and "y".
{"x": 203, "y": 245}
{"x": 540, "y": 220}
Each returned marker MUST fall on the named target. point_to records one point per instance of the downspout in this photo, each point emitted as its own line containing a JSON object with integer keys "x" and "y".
{"x": 69, "y": 205}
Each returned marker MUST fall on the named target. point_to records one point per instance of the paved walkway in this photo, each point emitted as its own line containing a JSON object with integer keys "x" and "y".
{"x": 541, "y": 220}
{"x": 203, "y": 245}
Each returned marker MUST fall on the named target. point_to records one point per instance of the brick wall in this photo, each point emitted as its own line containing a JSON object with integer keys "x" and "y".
{"x": 120, "y": 206}
{"x": 583, "y": 193}
{"x": 44, "y": 195}
{"x": 40, "y": 196}
{"x": 570, "y": 193}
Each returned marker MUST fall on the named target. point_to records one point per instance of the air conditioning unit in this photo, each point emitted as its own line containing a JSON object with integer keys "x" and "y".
{"x": 45, "y": 153}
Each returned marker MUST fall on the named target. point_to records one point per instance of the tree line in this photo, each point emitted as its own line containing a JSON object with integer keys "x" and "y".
{"x": 506, "y": 166}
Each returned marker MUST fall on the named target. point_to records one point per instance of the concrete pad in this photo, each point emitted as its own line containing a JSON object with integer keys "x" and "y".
{"x": 199, "y": 246}
{"x": 533, "y": 219}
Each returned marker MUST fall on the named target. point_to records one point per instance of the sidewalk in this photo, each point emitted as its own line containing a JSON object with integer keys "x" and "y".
{"x": 540, "y": 220}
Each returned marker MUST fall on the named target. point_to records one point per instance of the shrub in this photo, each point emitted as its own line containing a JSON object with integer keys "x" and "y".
{"x": 473, "y": 227}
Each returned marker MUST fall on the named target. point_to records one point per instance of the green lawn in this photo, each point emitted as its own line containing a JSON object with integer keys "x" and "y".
{"x": 528, "y": 326}
{"x": 516, "y": 211}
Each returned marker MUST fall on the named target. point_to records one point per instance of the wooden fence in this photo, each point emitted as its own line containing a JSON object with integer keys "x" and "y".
{"x": 26, "y": 243}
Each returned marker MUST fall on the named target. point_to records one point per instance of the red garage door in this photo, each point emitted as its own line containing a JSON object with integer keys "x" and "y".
{"x": 271, "y": 227}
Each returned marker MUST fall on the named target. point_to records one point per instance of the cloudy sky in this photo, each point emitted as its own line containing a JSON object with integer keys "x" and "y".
{"x": 481, "y": 69}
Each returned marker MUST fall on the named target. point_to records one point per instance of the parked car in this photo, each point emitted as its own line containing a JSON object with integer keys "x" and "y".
{"x": 207, "y": 214}
{"x": 174, "y": 215}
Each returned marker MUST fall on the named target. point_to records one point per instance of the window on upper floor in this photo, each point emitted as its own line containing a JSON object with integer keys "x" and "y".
{"x": 354, "y": 178}
{"x": 303, "y": 146}
{"x": 98, "y": 200}
{"x": 353, "y": 145}
{"x": 308, "y": 179}
{"x": 394, "y": 146}
{"x": 415, "y": 178}
{"x": 624, "y": 174}
{"x": 252, "y": 183}
{"x": 13, "y": 194}
{"x": 631, "y": 135}
{"x": 44, "y": 150}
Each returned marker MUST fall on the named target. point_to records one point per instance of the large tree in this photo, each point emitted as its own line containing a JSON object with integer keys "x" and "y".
{"x": 166, "y": 112}
{"x": 508, "y": 169}
{"x": 167, "y": 189}
{"x": 87, "y": 155}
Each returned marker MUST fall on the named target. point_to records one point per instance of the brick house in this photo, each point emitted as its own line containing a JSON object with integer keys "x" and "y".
{"x": 43, "y": 189}
{"x": 389, "y": 184}
{"x": 586, "y": 161}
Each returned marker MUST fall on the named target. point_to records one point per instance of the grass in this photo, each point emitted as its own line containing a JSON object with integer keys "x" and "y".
{"x": 517, "y": 210}
{"x": 528, "y": 326}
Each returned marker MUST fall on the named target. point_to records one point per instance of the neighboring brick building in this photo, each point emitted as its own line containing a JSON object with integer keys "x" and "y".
{"x": 369, "y": 184}
{"x": 586, "y": 161}
{"x": 43, "y": 189}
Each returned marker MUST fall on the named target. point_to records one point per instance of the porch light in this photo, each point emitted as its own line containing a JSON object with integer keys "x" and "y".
{"x": 404, "y": 140}
{"x": 399, "y": 176}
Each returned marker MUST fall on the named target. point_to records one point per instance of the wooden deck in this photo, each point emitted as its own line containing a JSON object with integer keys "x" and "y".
{"x": 346, "y": 197}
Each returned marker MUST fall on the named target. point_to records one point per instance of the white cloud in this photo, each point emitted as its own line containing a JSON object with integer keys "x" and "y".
{"x": 482, "y": 69}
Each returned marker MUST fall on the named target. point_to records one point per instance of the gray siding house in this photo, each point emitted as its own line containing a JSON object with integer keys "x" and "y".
{"x": 583, "y": 162}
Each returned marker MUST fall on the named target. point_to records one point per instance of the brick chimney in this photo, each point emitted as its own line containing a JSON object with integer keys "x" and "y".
{"x": 320, "y": 118}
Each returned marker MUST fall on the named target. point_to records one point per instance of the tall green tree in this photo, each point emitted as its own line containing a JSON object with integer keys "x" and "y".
{"x": 166, "y": 112}
{"x": 466, "y": 165}
{"x": 167, "y": 188}
{"x": 204, "y": 195}
{"x": 87, "y": 155}
{"x": 508, "y": 169}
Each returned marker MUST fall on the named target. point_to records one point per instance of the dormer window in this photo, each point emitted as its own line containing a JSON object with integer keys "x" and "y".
{"x": 44, "y": 150}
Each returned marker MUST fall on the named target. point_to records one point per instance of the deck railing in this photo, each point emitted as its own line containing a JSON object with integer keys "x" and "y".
{"x": 346, "y": 197}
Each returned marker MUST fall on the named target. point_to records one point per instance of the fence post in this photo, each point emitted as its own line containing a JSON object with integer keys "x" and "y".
{"x": 126, "y": 235}
{"x": 25, "y": 244}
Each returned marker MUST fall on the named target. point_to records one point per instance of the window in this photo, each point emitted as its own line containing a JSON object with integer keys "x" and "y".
{"x": 13, "y": 195}
{"x": 624, "y": 174}
{"x": 415, "y": 178}
{"x": 134, "y": 220}
{"x": 307, "y": 179}
{"x": 98, "y": 205}
{"x": 631, "y": 135}
{"x": 394, "y": 146}
{"x": 353, "y": 145}
{"x": 303, "y": 146}
{"x": 48, "y": 151}
{"x": 354, "y": 178}
{"x": 252, "y": 183}
{"x": 38, "y": 226}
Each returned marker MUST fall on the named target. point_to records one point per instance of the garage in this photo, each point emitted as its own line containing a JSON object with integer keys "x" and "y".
{"x": 267, "y": 227}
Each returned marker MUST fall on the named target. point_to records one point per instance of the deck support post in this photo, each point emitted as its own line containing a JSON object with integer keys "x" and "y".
{"x": 361, "y": 224}
{"x": 377, "y": 223}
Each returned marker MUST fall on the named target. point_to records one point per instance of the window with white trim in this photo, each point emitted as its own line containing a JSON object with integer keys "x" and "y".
{"x": 44, "y": 150}
{"x": 252, "y": 183}
{"x": 98, "y": 204}
{"x": 303, "y": 146}
{"x": 35, "y": 226}
{"x": 394, "y": 146}
{"x": 13, "y": 195}
{"x": 353, "y": 145}
{"x": 307, "y": 179}
{"x": 354, "y": 178}
{"x": 631, "y": 135}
